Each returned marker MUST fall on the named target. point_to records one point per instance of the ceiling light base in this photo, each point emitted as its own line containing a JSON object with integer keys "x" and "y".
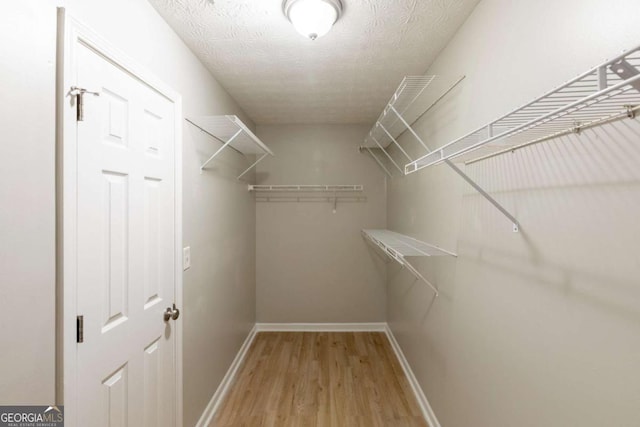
{"x": 312, "y": 18}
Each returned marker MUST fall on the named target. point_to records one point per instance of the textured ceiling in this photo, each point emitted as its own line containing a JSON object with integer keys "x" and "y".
{"x": 347, "y": 76}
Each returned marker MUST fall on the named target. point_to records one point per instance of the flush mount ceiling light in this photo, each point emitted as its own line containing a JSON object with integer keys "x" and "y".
{"x": 312, "y": 18}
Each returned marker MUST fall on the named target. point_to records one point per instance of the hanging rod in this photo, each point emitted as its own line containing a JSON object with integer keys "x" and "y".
{"x": 630, "y": 113}
{"x": 606, "y": 92}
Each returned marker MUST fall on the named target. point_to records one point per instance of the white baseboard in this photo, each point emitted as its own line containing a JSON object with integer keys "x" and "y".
{"x": 425, "y": 407}
{"x": 227, "y": 381}
{"x": 321, "y": 327}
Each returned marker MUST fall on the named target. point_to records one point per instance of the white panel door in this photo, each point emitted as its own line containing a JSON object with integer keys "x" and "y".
{"x": 125, "y": 249}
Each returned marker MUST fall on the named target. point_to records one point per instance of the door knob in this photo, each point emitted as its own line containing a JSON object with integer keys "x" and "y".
{"x": 175, "y": 313}
{"x": 171, "y": 313}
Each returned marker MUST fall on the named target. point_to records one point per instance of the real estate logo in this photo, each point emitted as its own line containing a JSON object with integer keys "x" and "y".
{"x": 31, "y": 416}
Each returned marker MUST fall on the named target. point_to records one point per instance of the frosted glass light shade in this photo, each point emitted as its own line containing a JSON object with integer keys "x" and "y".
{"x": 313, "y": 18}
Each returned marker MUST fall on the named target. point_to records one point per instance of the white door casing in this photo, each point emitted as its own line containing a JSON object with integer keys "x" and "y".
{"x": 120, "y": 239}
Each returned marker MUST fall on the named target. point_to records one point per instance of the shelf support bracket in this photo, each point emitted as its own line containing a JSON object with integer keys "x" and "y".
{"x": 395, "y": 142}
{"x": 378, "y": 161}
{"x": 254, "y": 163}
{"x": 631, "y": 112}
{"x": 456, "y": 169}
{"x": 220, "y": 149}
{"x": 400, "y": 260}
{"x": 602, "y": 78}
{"x": 494, "y": 202}
{"x": 415, "y": 272}
{"x": 626, "y": 71}
{"x": 409, "y": 128}
{"x": 387, "y": 154}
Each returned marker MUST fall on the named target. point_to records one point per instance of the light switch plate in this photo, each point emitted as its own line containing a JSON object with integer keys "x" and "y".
{"x": 186, "y": 258}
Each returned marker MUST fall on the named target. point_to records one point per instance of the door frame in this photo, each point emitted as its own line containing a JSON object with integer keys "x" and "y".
{"x": 70, "y": 33}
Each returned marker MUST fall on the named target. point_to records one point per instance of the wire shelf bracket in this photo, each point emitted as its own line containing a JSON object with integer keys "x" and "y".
{"x": 233, "y": 133}
{"x": 389, "y": 127}
{"x": 398, "y": 246}
{"x": 607, "y": 92}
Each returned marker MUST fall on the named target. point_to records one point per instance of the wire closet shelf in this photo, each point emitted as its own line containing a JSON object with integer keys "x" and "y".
{"x": 398, "y": 246}
{"x": 343, "y": 193}
{"x": 608, "y": 92}
{"x": 231, "y": 132}
{"x": 304, "y": 188}
{"x": 413, "y": 98}
{"x": 406, "y": 111}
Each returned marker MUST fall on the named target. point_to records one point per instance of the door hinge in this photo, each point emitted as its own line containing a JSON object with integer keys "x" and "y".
{"x": 79, "y": 93}
{"x": 80, "y": 329}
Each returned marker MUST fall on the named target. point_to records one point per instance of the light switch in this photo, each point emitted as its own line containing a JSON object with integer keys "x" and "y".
{"x": 186, "y": 258}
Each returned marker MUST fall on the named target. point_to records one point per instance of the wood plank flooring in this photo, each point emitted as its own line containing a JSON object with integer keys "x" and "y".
{"x": 332, "y": 379}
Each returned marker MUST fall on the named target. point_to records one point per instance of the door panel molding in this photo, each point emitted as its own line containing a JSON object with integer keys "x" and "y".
{"x": 71, "y": 34}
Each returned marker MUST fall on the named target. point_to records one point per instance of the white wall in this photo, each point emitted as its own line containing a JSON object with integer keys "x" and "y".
{"x": 27, "y": 199}
{"x": 538, "y": 328}
{"x": 219, "y": 215}
{"x": 313, "y": 265}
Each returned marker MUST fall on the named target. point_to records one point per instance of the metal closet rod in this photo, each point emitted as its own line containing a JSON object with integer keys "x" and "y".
{"x": 589, "y": 92}
{"x": 306, "y": 187}
{"x": 630, "y": 113}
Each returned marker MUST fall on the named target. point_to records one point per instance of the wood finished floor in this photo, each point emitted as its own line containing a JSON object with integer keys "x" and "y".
{"x": 335, "y": 379}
